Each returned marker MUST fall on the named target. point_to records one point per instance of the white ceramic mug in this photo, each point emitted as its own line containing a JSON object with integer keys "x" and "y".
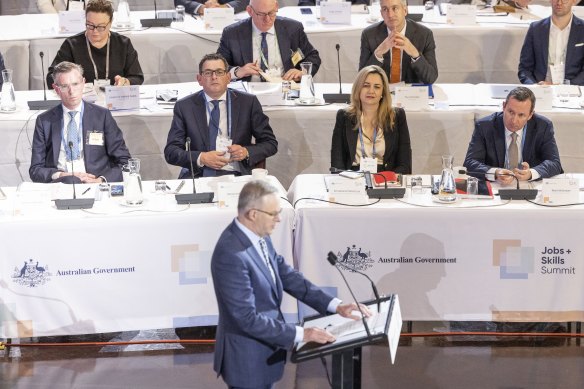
{"x": 259, "y": 174}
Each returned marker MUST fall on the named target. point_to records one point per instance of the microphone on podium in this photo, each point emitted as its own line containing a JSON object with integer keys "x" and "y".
{"x": 156, "y": 22}
{"x": 512, "y": 194}
{"x": 193, "y": 198}
{"x": 340, "y": 97}
{"x": 42, "y": 105}
{"x": 74, "y": 203}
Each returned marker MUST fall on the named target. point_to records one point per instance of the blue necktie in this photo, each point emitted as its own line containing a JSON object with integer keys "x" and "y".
{"x": 73, "y": 137}
{"x": 213, "y": 132}
{"x": 264, "y": 47}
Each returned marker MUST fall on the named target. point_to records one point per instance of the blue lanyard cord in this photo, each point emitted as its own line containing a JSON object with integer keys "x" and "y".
{"x": 363, "y": 155}
{"x": 228, "y": 102}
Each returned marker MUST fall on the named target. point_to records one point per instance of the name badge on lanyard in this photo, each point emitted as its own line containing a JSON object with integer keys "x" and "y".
{"x": 367, "y": 164}
{"x": 223, "y": 142}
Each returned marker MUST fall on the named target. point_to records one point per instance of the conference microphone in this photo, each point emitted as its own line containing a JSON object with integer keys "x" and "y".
{"x": 44, "y": 104}
{"x": 382, "y": 193}
{"x": 512, "y": 194}
{"x": 193, "y": 198}
{"x": 74, "y": 203}
{"x": 340, "y": 97}
{"x": 156, "y": 22}
{"x": 332, "y": 258}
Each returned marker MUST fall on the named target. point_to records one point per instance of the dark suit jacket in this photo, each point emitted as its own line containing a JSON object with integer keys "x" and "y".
{"x": 190, "y": 120}
{"x": 251, "y": 334}
{"x": 533, "y": 62}
{"x": 105, "y": 160}
{"x": 424, "y": 70}
{"x": 192, "y": 5}
{"x": 398, "y": 151}
{"x": 487, "y": 146}
{"x": 237, "y": 48}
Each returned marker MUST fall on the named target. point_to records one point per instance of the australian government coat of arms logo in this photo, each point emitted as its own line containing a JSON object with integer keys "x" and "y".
{"x": 31, "y": 274}
{"x": 356, "y": 258}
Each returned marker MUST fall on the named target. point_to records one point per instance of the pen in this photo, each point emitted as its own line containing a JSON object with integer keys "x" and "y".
{"x": 167, "y": 187}
{"x": 85, "y": 191}
{"x": 179, "y": 187}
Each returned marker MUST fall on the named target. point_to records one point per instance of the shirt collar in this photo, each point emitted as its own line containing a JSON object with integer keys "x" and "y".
{"x": 252, "y": 236}
{"x": 221, "y": 98}
{"x": 271, "y": 31}
{"x": 66, "y": 110}
{"x": 519, "y": 133}
{"x": 403, "y": 30}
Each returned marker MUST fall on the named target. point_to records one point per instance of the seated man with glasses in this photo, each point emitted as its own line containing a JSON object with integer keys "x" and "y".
{"x": 266, "y": 43}
{"x": 228, "y": 131}
{"x": 107, "y": 57}
{"x": 76, "y": 141}
{"x": 197, "y": 7}
{"x": 404, "y": 49}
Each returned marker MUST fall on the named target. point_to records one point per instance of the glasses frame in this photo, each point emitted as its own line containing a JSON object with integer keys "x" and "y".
{"x": 272, "y": 214}
{"x": 271, "y": 14}
{"x": 208, "y": 73}
{"x": 67, "y": 87}
{"x": 99, "y": 28}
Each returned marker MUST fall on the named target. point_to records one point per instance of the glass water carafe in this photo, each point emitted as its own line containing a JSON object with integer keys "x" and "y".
{"x": 7, "y": 98}
{"x": 306, "y": 84}
{"x": 447, "y": 184}
{"x": 133, "y": 189}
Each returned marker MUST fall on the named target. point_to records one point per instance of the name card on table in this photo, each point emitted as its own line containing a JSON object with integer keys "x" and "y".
{"x": 228, "y": 193}
{"x": 268, "y": 93}
{"x": 218, "y": 18}
{"x": 346, "y": 190}
{"x": 71, "y": 21}
{"x": 560, "y": 191}
{"x": 544, "y": 95}
{"x": 412, "y": 98}
{"x": 335, "y": 12}
{"x": 122, "y": 97}
{"x": 461, "y": 14}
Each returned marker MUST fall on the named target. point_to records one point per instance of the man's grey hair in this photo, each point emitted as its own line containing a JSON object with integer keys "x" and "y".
{"x": 522, "y": 94}
{"x": 66, "y": 67}
{"x": 252, "y": 194}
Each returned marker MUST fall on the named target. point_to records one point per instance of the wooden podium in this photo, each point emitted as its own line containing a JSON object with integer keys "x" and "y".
{"x": 351, "y": 337}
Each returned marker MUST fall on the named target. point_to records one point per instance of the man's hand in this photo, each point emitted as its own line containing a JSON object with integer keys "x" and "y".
{"x": 238, "y": 153}
{"x": 292, "y": 75}
{"x": 214, "y": 159}
{"x": 384, "y": 47}
{"x": 402, "y": 42}
{"x": 317, "y": 335}
{"x": 346, "y": 310}
{"x": 523, "y": 174}
{"x": 249, "y": 69}
{"x": 504, "y": 176}
{"x": 121, "y": 81}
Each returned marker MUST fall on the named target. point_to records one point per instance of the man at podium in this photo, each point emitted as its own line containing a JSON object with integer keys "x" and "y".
{"x": 249, "y": 278}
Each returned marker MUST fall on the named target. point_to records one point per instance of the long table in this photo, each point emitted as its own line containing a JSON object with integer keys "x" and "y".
{"x": 486, "y": 260}
{"x": 487, "y": 52}
{"x": 112, "y": 268}
{"x": 304, "y": 133}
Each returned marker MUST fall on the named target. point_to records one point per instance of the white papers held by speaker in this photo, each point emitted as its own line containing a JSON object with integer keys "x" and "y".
{"x": 411, "y": 98}
{"x": 218, "y": 18}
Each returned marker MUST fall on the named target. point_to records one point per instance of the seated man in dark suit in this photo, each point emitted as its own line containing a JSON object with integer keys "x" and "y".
{"x": 516, "y": 142}
{"x": 250, "y": 279}
{"x": 403, "y": 48}
{"x": 220, "y": 123}
{"x": 264, "y": 42}
{"x": 76, "y": 136}
{"x": 197, "y": 7}
{"x": 553, "y": 50}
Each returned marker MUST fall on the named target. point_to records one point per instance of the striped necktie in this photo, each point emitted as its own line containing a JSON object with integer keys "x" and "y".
{"x": 73, "y": 137}
{"x": 264, "y": 248}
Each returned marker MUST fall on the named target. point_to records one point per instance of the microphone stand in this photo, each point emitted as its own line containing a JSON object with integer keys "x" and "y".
{"x": 193, "y": 198}
{"x": 332, "y": 258}
{"x": 513, "y": 194}
{"x": 343, "y": 98}
{"x": 156, "y": 22}
{"x": 42, "y": 105}
{"x": 74, "y": 203}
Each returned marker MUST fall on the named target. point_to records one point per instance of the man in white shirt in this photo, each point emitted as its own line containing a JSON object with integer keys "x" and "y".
{"x": 553, "y": 50}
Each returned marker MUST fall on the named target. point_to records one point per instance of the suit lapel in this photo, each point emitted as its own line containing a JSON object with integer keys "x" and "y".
{"x": 85, "y": 127}
{"x": 233, "y": 104}
{"x": 529, "y": 133}
{"x": 499, "y": 139}
{"x": 56, "y": 133}
{"x": 283, "y": 41}
{"x": 572, "y": 41}
{"x": 245, "y": 43}
{"x": 351, "y": 135}
{"x": 200, "y": 114}
{"x": 545, "y": 42}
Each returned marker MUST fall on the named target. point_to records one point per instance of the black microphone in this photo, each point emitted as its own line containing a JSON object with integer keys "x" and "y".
{"x": 74, "y": 203}
{"x": 512, "y": 194}
{"x": 332, "y": 258}
{"x": 193, "y": 198}
{"x": 382, "y": 193}
{"x": 43, "y": 104}
{"x": 340, "y": 97}
{"x": 156, "y": 22}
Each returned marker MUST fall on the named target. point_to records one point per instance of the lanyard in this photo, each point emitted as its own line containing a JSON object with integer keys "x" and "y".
{"x": 363, "y": 155}
{"x": 64, "y": 142}
{"x": 106, "y": 59}
{"x": 228, "y": 103}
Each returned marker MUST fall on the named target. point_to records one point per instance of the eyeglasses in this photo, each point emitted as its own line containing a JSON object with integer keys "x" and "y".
{"x": 393, "y": 8}
{"x": 271, "y": 14}
{"x": 91, "y": 27}
{"x": 218, "y": 73}
{"x": 65, "y": 88}
{"x": 272, "y": 214}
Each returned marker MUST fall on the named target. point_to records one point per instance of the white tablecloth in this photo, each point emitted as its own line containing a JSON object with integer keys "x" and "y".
{"x": 472, "y": 260}
{"x": 112, "y": 268}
